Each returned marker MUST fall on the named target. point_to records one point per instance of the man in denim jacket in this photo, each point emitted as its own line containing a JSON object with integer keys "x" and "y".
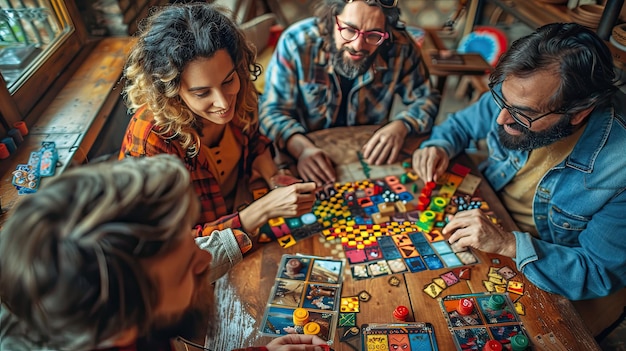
{"x": 345, "y": 67}
{"x": 555, "y": 127}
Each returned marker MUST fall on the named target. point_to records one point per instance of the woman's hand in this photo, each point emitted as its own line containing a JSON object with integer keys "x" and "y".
{"x": 290, "y": 201}
{"x": 298, "y": 342}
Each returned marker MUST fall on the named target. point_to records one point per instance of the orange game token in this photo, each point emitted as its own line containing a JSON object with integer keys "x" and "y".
{"x": 466, "y": 307}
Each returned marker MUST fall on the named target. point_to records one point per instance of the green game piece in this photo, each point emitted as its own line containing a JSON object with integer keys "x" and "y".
{"x": 496, "y": 302}
{"x": 519, "y": 342}
{"x": 404, "y": 179}
{"x": 406, "y": 164}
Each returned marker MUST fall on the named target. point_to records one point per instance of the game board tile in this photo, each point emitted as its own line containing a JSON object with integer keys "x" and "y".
{"x": 467, "y": 257}
{"x": 415, "y": 264}
{"x": 433, "y": 290}
{"x": 432, "y": 262}
{"x": 451, "y": 260}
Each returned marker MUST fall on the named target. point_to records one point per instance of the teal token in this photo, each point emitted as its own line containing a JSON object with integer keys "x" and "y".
{"x": 519, "y": 342}
{"x": 496, "y": 302}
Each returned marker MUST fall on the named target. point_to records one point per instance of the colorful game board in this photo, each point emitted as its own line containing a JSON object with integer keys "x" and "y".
{"x": 305, "y": 297}
{"x": 388, "y": 225}
{"x": 398, "y": 336}
{"x": 475, "y": 319}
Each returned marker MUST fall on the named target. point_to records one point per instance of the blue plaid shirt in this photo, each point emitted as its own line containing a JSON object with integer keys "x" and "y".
{"x": 302, "y": 91}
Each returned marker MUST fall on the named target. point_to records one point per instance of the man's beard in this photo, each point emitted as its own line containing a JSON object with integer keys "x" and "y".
{"x": 192, "y": 324}
{"x": 348, "y": 67}
{"x": 530, "y": 140}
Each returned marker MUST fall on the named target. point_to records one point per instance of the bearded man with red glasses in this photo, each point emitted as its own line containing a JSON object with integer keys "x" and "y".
{"x": 345, "y": 67}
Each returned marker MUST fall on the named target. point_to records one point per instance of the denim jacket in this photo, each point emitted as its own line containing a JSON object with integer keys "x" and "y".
{"x": 579, "y": 206}
{"x": 302, "y": 93}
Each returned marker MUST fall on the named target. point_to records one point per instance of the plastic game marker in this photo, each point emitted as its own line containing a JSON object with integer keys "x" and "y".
{"x": 307, "y": 290}
{"x": 401, "y": 313}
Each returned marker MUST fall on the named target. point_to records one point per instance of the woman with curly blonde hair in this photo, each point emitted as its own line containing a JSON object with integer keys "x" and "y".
{"x": 189, "y": 84}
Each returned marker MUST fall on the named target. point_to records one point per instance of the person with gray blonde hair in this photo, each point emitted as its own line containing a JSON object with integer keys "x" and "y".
{"x": 346, "y": 66}
{"x": 104, "y": 257}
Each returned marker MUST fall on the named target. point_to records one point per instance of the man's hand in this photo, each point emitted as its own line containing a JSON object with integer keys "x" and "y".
{"x": 474, "y": 229}
{"x": 316, "y": 166}
{"x": 430, "y": 162}
{"x": 385, "y": 145}
{"x": 297, "y": 342}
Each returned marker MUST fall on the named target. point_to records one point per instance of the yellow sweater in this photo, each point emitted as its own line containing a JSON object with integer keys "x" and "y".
{"x": 518, "y": 195}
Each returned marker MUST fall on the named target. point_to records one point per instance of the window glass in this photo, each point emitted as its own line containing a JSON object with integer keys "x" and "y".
{"x": 29, "y": 31}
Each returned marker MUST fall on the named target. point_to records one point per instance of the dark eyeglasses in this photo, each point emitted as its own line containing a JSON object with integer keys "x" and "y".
{"x": 371, "y": 37}
{"x": 383, "y": 3}
{"x": 517, "y": 115}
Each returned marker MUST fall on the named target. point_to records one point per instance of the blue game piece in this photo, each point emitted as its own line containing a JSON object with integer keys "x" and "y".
{"x": 308, "y": 218}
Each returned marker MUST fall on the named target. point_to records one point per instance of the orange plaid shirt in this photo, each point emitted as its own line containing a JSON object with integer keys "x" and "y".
{"x": 141, "y": 140}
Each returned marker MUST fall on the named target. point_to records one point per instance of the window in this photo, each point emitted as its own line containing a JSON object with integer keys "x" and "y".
{"x": 38, "y": 41}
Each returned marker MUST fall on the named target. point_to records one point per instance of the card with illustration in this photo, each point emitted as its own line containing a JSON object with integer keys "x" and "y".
{"x": 305, "y": 297}
{"x": 326, "y": 271}
{"x": 474, "y": 319}
{"x": 398, "y": 336}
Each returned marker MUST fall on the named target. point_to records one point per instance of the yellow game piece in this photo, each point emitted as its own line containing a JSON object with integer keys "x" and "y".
{"x": 300, "y": 316}
{"x": 412, "y": 175}
{"x": 520, "y": 309}
{"x": 286, "y": 241}
{"x": 276, "y": 222}
{"x": 311, "y": 328}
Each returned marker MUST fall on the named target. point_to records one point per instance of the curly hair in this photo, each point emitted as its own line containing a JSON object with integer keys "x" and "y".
{"x": 69, "y": 254}
{"x": 581, "y": 59}
{"x": 170, "y": 38}
{"x": 326, "y": 11}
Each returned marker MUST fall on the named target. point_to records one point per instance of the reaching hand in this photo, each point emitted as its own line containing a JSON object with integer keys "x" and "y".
{"x": 315, "y": 165}
{"x": 297, "y": 342}
{"x": 283, "y": 178}
{"x": 290, "y": 201}
{"x": 474, "y": 229}
{"x": 385, "y": 145}
{"x": 430, "y": 162}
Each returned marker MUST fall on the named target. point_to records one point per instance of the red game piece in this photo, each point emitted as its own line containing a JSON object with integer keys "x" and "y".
{"x": 401, "y": 313}
{"x": 423, "y": 202}
{"x": 466, "y": 307}
{"x": 493, "y": 345}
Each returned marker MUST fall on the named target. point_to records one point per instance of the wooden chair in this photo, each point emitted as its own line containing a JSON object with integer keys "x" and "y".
{"x": 471, "y": 65}
{"x": 258, "y": 30}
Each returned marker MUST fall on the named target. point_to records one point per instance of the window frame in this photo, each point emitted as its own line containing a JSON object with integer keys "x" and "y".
{"x": 44, "y": 80}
